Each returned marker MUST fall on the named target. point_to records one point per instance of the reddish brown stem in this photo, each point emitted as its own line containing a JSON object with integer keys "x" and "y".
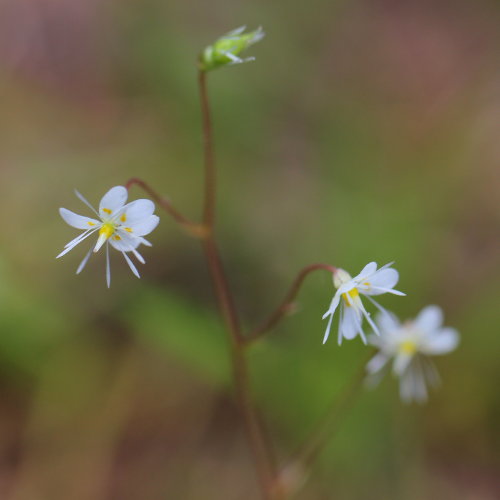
{"x": 286, "y": 305}
{"x": 261, "y": 448}
{"x": 208, "y": 153}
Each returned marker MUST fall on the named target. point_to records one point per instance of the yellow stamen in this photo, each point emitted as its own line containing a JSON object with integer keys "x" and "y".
{"x": 116, "y": 237}
{"x": 91, "y": 223}
{"x": 408, "y": 347}
{"x": 123, "y": 218}
{"x": 107, "y": 211}
{"x": 128, "y": 229}
{"x": 107, "y": 230}
{"x": 353, "y": 294}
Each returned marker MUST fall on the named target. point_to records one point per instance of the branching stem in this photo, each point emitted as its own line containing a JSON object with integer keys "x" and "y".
{"x": 194, "y": 229}
{"x": 261, "y": 448}
{"x": 286, "y": 305}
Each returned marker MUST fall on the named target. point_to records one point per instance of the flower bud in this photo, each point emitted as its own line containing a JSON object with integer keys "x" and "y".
{"x": 226, "y": 50}
{"x": 340, "y": 277}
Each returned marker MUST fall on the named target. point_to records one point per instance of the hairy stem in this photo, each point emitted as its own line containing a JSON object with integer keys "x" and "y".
{"x": 287, "y": 304}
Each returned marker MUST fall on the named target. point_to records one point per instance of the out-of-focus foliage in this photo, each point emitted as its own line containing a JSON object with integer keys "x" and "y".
{"x": 364, "y": 131}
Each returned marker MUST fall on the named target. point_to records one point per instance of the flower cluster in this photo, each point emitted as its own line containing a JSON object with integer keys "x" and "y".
{"x": 409, "y": 344}
{"x": 120, "y": 225}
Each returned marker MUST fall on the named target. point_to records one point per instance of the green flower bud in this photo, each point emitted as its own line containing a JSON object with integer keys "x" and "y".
{"x": 226, "y": 50}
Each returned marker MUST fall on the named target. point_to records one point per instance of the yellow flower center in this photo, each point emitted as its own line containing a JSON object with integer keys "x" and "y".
{"x": 353, "y": 294}
{"x": 408, "y": 347}
{"x": 107, "y": 229}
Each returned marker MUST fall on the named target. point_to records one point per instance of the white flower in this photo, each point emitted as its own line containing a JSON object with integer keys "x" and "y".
{"x": 410, "y": 344}
{"x": 119, "y": 225}
{"x": 369, "y": 281}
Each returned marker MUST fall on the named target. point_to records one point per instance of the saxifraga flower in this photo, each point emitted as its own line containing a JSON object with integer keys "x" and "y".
{"x": 370, "y": 281}
{"x": 123, "y": 226}
{"x": 410, "y": 346}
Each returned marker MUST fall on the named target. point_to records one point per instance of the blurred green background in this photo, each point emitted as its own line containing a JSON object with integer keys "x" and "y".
{"x": 366, "y": 130}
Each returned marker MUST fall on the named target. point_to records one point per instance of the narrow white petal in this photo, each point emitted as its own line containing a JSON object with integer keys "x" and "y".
{"x": 83, "y": 263}
{"x": 366, "y": 314}
{"x": 420, "y": 387}
{"x": 131, "y": 265}
{"x": 100, "y": 242}
{"x": 406, "y": 387}
{"x": 333, "y": 305}
{"x": 430, "y": 373}
{"x": 138, "y": 256}
{"x": 377, "y": 363}
{"x": 144, "y": 241}
{"x": 383, "y": 310}
{"x": 72, "y": 244}
{"x": 108, "y": 268}
{"x": 328, "y": 327}
{"x": 82, "y": 198}
{"x": 401, "y": 362}
{"x": 80, "y": 237}
{"x": 77, "y": 221}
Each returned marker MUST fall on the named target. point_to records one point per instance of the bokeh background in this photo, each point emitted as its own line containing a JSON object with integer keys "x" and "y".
{"x": 366, "y": 130}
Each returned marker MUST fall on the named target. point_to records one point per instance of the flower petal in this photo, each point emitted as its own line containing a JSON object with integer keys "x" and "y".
{"x": 412, "y": 385}
{"x": 145, "y": 226}
{"x": 368, "y": 270}
{"x": 351, "y": 323}
{"x": 138, "y": 210}
{"x": 82, "y": 198}
{"x": 72, "y": 244}
{"x": 131, "y": 265}
{"x": 108, "y": 268}
{"x": 333, "y": 305}
{"x": 123, "y": 241}
{"x": 112, "y": 201}
{"x": 387, "y": 321}
{"x": 381, "y": 282}
{"x": 377, "y": 363}
{"x": 443, "y": 341}
{"x": 328, "y": 327}
{"x": 77, "y": 221}
{"x": 401, "y": 362}
{"x": 429, "y": 319}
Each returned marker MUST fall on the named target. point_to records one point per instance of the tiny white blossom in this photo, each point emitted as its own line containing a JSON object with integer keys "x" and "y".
{"x": 370, "y": 281}
{"x": 120, "y": 225}
{"x": 410, "y": 344}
